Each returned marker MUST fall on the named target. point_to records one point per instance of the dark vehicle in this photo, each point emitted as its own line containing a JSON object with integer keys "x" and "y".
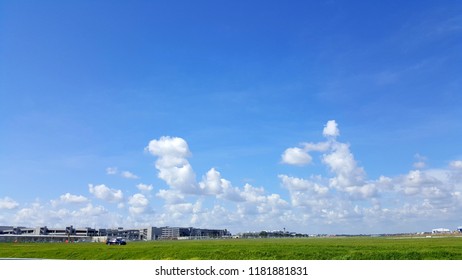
{"x": 116, "y": 241}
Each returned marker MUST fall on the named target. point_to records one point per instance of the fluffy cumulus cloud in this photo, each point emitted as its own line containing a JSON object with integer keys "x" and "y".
{"x": 188, "y": 203}
{"x": 138, "y": 203}
{"x": 105, "y": 193}
{"x": 172, "y": 163}
{"x": 348, "y": 176}
{"x": 213, "y": 184}
{"x": 89, "y": 211}
{"x": 301, "y": 185}
{"x": 342, "y": 199}
{"x": 347, "y": 197}
{"x": 69, "y": 198}
{"x": 32, "y": 215}
{"x": 61, "y": 215}
{"x": 300, "y": 155}
{"x": 331, "y": 129}
{"x": 296, "y": 156}
{"x": 171, "y": 196}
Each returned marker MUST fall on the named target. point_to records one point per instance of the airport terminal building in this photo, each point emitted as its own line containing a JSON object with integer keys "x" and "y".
{"x": 45, "y": 234}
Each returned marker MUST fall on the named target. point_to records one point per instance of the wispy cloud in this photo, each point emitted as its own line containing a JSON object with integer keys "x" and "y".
{"x": 124, "y": 174}
{"x": 8, "y": 203}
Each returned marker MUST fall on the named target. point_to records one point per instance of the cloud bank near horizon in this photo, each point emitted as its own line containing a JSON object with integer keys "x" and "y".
{"x": 342, "y": 199}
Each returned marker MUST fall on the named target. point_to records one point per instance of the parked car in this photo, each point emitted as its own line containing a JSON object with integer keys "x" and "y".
{"x": 116, "y": 241}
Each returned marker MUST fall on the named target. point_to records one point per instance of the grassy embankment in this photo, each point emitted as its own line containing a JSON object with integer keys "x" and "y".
{"x": 366, "y": 248}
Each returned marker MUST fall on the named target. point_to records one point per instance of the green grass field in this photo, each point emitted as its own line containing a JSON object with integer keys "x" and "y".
{"x": 365, "y": 248}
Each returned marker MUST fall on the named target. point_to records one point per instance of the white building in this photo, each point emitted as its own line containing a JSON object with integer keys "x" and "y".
{"x": 441, "y": 230}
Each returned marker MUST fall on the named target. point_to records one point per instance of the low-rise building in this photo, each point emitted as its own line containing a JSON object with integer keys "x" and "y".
{"x": 74, "y": 234}
{"x": 440, "y": 230}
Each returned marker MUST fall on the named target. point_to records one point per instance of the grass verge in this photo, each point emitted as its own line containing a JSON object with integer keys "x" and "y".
{"x": 365, "y": 248}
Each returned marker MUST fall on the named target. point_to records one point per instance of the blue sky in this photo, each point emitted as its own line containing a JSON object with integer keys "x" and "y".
{"x": 316, "y": 116}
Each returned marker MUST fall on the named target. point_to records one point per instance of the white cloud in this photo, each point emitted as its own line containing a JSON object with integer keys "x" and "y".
{"x": 346, "y": 197}
{"x": 172, "y": 164}
{"x": 230, "y": 193}
{"x": 112, "y": 170}
{"x": 298, "y": 184}
{"x": 420, "y": 162}
{"x": 296, "y": 156}
{"x": 273, "y": 205}
{"x": 438, "y": 187}
{"x": 27, "y": 216}
{"x": 182, "y": 213}
{"x": 253, "y": 194}
{"x": 138, "y": 203}
{"x": 316, "y": 147}
{"x": 105, "y": 193}
{"x": 300, "y": 156}
{"x": 457, "y": 164}
{"x": 308, "y": 196}
{"x": 256, "y": 202}
{"x": 183, "y": 208}
{"x": 138, "y": 200}
{"x": 341, "y": 199}
{"x": 124, "y": 174}
{"x": 218, "y": 217}
{"x": 348, "y": 176}
{"x": 35, "y": 214}
{"x": 362, "y": 191}
{"x": 144, "y": 187}
{"x": 128, "y": 175}
{"x": 171, "y": 196}
{"x": 90, "y": 211}
{"x": 176, "y": 171}
{"x": 168, "y": 146}
{"x": 212, "y": 182}
{"x": 8, "y": 203}
{"x": 70, "y": 198}
{"x": 330, "y": 129}
{"x": 42, "y": 214}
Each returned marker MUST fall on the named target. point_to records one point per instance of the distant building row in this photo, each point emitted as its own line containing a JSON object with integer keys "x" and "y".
{"x": 90, "y": 234}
